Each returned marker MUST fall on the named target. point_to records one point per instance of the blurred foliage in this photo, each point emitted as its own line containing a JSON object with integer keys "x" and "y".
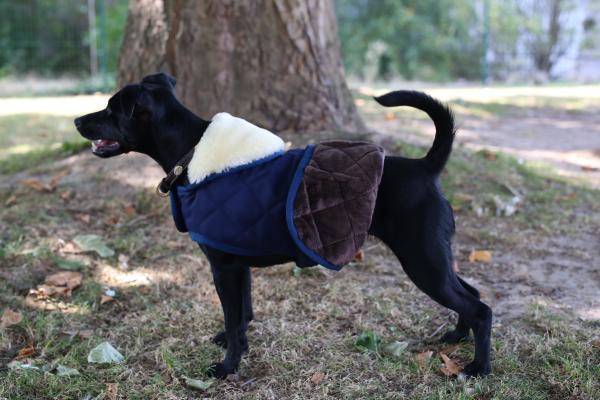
{"x": 439, "y": 40}
{"x": 52, "y": 37}
{"x": 418, "y": 39}
{"x": 431, "y": 40}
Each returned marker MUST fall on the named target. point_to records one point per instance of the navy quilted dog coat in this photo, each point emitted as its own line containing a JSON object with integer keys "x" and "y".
{"x": 255, "y": 199}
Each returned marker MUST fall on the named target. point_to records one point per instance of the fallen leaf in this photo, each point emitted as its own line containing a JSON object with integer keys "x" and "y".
{"x": 424, "y": 357}
{"x": 70, "y": 279}
{"x": 488, "y": 155}
{"x": 129, "y": 211}
{"x": 10, "y": 318}
{"x": 317, "y": 378}
{"x": 85, "y": 218}
{"x": 389, "y": 116}
{"x": 359, "y": 256}
{"x": 70, "y": 248}
{"x": 65, "y": 195}
{"x": 25, "y": 352}
{"x": 484, "y": 256}
{"x": 395, "y": 348}
{"x": 105, "y": 353}
{"x": 45, "y": 291}
{"x": 112, "y": 390}
{"x": 450, "y": 367}
{"x": 55, "y": 179}
{"x": 112, "y": 220}
{"x": 368, "y": 341}
{"x": 61, "y": 370}
{"x": 10, "y": 201}
{"x": 105, "y": 299}
{"x": 36, "y": 185}
{"x": 197, "y": 383}
{"x": 94, "y": 243}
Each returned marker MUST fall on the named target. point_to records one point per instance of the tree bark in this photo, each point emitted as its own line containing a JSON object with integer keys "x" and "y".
{"x": 276, "y": 63}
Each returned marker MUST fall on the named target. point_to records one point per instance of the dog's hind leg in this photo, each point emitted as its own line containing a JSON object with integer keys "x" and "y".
{"x": 432, "y": 273}
{"x": 425, "y": 255}
{"x": 461, "y": 332}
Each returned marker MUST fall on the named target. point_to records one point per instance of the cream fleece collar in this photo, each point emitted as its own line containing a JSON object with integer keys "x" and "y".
{"x": 229, "y": 142}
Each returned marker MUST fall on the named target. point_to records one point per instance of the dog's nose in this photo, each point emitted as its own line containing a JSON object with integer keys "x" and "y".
{"x": 77, "y": 123}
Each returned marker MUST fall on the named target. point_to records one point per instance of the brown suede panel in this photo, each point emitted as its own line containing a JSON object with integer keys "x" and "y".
{"x": 336, "y": 198}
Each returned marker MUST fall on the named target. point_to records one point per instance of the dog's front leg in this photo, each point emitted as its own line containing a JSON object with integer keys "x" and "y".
{"x": 231, "y": 282}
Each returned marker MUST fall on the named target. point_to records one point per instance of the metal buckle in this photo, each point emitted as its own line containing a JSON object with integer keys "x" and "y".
{"x": 160, "y": 192}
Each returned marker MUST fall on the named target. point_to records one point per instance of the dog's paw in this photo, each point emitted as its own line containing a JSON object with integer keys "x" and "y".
{"x": 220, "y": 339}
{"x": 219, "y": 371}
{"x": 475, "y": 369}
{"x": 454, "y": 337}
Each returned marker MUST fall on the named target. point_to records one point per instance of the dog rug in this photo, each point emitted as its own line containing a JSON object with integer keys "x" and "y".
{"x": 248, "y": 196}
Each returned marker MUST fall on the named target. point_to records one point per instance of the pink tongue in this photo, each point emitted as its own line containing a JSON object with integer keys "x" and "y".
{"x": 105, "y": 142}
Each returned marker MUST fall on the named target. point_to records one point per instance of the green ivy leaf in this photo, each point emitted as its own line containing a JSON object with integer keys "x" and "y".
{"x": 105, "y": 353}
{"x": 197, "y": 383}
{"x": 368, "y": 341}
{"x": 94, "y": 243}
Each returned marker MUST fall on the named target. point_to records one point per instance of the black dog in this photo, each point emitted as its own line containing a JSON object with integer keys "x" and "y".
{"x": 411, "y": 215}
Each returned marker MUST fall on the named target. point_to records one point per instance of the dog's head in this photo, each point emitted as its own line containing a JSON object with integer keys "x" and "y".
{"x": 126, "y": 122}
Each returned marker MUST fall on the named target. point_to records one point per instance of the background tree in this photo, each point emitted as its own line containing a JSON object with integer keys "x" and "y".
{"x": 277, "y": 63}
{"x": 546, "y": 36}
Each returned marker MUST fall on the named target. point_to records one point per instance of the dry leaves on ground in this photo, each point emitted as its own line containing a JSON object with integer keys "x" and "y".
{"x": 359, "y": 256}
{"x": 317, "y": 377}
{"x": 60, "y": 284}
{"x": 112, "y": 391}
{"x": 450, "y": 367}
{"x": 11, "y": 200}
{"x": 26, "y": 352}
{"x": 484, "y": 256}
{"x": 424, "y": 357}
{"x": 70, "y": 279}
{"x": 43, "y": 187}
{"x": 129, "y": 211}
{"x": 9, "y": 318}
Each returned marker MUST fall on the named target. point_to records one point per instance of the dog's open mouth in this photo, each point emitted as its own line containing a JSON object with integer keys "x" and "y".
{"x": 105, "y": 147}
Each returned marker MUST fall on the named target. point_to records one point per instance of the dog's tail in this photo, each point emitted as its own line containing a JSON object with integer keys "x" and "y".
{"x": 442, "y": 117}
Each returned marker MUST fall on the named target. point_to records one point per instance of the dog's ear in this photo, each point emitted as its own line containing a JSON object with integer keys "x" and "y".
{"x": 161, "y": 79}
{"x": 132, "y": 97}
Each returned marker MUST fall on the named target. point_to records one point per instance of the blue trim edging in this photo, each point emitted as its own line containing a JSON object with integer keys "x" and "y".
{"x": 289, "y": 211}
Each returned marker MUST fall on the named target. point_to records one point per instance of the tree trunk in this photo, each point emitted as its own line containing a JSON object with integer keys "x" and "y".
{"x": 276, "y": 63}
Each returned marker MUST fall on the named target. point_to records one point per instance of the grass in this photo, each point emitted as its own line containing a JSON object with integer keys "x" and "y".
{"x": 28, "y": 140}
{"x": 165, "y": 310}
{"x": 32, "y": 158}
